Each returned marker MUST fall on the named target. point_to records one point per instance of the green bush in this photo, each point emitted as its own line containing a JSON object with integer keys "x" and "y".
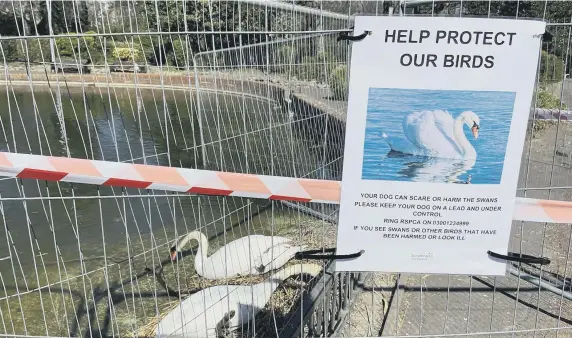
{"x": 38, "y": 50}
{"x": 551, "y": 68}
{"x": 147, "y": 44}
{"x": 11, "y": 50}
{"x": 90, "y": 47}
{"x": 326, "y": 57}
{"x": 67, "y": 46}
{"x": 283, "y": 58}
{"x": 178, "y": 56}
{"x": 305, "y": 69}
{"x": 339, "y": 82}
{"x": 125, "y": 53}
{"x": 302, "y": 64}
{"x": 549, "y": 101}
{"x": 314, "y": 68}
{"x": 545, "y": 100}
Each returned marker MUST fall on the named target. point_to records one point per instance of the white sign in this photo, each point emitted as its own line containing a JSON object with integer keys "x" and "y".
{"x": 437, "y": 116}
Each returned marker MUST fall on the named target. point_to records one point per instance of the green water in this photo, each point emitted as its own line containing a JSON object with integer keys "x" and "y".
{"x": 42, "y": 241}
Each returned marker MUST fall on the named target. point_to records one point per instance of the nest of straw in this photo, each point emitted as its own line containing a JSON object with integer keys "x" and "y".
{"x": 149, "y": 329}
{"x": 268, "y": 320}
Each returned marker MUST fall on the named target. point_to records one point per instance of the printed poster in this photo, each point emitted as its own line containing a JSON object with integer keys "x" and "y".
{"x": 437, "y": 116}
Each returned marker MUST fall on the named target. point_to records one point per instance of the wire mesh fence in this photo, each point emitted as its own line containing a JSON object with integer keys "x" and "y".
{"x": 252, "y": 87}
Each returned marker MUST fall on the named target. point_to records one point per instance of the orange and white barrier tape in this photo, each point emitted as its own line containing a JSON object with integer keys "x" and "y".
{"x": 205, "y": 182}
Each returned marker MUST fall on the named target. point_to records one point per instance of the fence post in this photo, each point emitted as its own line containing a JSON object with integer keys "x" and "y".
{"x": 51, "y": 31}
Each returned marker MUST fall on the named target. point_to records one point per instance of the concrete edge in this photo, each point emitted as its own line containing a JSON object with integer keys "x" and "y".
{"x": 390, "y": 325}
{"x": 76, "y": 84}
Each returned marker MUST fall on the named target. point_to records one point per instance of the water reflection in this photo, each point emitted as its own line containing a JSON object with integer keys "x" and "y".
{"x": 431, "y": 169}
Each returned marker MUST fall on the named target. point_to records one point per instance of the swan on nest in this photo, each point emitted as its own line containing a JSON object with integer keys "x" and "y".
{"x": 249, "y": 255}
{"x": 231, "y": 306}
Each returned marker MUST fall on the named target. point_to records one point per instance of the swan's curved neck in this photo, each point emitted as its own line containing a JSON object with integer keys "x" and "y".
{"x": 464, "y": 144}
{"x": 202, "y": 249}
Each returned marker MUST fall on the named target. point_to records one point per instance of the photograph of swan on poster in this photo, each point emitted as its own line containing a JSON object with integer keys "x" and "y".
{"x": 225, "y": 307}
{"x": 248, "y": 255}
{"x": 435, "y": 133}
{"x": 438, "y": 136}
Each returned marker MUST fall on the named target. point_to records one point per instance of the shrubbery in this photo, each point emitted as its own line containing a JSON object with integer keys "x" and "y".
{"x": 313, "y": 68}
{"x": 325, "y": 67}
{"x": 92, "y": 48}
{"x": 38, "y": 50}
{"x": 545, "y": 100}
{"x": 551, "y": 68}
{"x": 126, "y": 52}
{"x": 179, "y": 54}
{"x": 549, "y": 101}
{"x": 11, "y": 51}
{"x": 89, "y": 46}
{"x": 14, "y": 50}
{"x": 309, "y": 68}
{"x": 339, "y": 82}
{"x": 283, "y": 59}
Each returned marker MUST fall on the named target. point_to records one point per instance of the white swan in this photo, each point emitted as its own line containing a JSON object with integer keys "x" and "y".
{"x": 249, "y": 255}
{"x": 204, "y": 313}
{"x": 434, "y": 133}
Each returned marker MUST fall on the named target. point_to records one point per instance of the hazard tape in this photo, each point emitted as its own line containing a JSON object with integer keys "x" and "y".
{"x": 207, "y": 182}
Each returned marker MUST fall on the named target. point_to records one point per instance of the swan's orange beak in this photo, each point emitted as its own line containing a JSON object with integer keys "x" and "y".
{"x": 173, "y": 255}
{"x": 475, "y": 130}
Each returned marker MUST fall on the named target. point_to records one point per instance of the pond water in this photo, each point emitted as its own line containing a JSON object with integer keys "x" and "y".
{"x": 43, "y": 239}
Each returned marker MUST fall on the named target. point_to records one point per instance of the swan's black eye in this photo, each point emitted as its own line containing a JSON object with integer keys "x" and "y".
{"x": 173, "y": 249}
{"x": 475, "y": 125}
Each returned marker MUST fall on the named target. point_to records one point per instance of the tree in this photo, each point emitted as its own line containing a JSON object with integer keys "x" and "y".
{"x": 69, "y": 16}
{"x": 204, "y": 16}
{"x": 9, "y": 25}
{"x": 555, "y": 10}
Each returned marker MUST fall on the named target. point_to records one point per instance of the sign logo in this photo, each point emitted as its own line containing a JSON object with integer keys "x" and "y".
{"x": 422, "y": 257}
